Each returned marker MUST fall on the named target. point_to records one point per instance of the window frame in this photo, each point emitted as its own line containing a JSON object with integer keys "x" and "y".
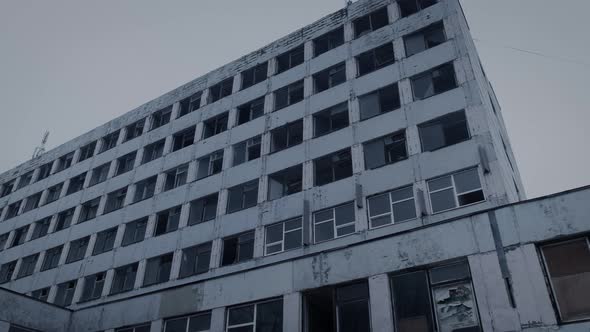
{"x": 145, "y": 189}
{"x": 334, "y": 38}
{"x": 454, "y": 188}
{"x": 171, "y": 224}
{"x": 391, "y": 213}
{"x": 332, "y": 75}
{"x": 251, "y": 111}
{"x": 290, "y": 92}
{"x": 259, "y": 74}
{"x": 239, "y": 243}
{"x": 289, "y": 56}
{"x": 135, "y": 237}
{"x": 80, "y": 254}
{"x": 430, "y": 75}
{"x": 222, "y": 86}
{"x": 161, "y": 118}
{"x": 199, "y": 250}
{"x": 289, "y": 128}
{"x": 210, "y": 161}
{"x": 246, "y": 146}
{"x": 52, "y": 258}
{"x": 333, "y": 221}
{"x": 331, "y": 112}
{"x": 134, "y": 130}
{"x": 371, "y": 17}
{"x": 183, "y": 139}
{"x": 134, "y": 268}
{"x": 108, "y": 241}
{"x": 333, "y": 166}
{"x": 176, "y": 177}
{"x": 205, "y": 199}
{"x": 154, "y": 150}
{"x": 161, "y": 260}
{"x": 215, "y": 125}
{"x": 190, "y": 104}
{"x": 444, "y": 126}
{"x": 284, "y": 233}
{"x": 109, "y": 141}
{"x": 115, "y": 200}
{"x": 371, "y": 55}
{"x": 241, "y": 187}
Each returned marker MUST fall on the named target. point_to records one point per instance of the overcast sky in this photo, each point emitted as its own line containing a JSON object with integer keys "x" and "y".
{"x": 68, "y": 66}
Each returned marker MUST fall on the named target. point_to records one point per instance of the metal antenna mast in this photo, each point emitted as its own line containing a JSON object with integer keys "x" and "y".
{"x": 41, "y": 148}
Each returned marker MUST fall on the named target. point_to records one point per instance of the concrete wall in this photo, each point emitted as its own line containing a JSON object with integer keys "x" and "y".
{"x": 27, "y": 312}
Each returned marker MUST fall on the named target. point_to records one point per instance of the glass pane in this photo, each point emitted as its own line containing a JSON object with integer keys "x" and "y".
{"x": 467, "y": 180}
{"x": 323, "y": 215}
{"x": 354, "y": 317}
{"x": 432, "y": 136}
{"x": 274, "y": 248}
{"x": 440, "y": 183}
{"x": 379, "y": 205}
{"x": 404, "y": 211}
{"x": 455, "y": 307}
{"x": 374, "y": 154}
{"x": 293, "y": 240}
{"x": 292, "y": 224}
{"x": 345, "y": 214}
{"x": 442, "y": 200}
{"x": 449, "y": 273}
{"x": 345, "y": 230}
{"x": 249, "y": 328}
{"x": 324, "y": 231}
{"x": 176, "y": 325}
{"x": 352, "y": 292}
{"x": 241, "y": 315}
{"x": 414, "y": 44}
{"x": 412, "y": 302}
{"x": 401, "y": 194}
{"x": 199, "y": 323}
{"x": 269, "y": 317}
{"x": 422, "y": 86}
{"x": 381, "y": 221}
{"x": 473, "y": 197}
{"x": 369, "y": 105}
{"x": 274, "y": 233}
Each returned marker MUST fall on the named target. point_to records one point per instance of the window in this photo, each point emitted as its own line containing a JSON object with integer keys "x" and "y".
{"x": 53, "y": 193}
{"x": 330, "y": 120}
{"x": 25, "y": 180}
{"x": 3, "y": 241}
{"x": 568, "y": 270}
{"x": 77, "y": 249}
{"x": 385, "y": 150}
{"x": 371, "y": 22}
{"x": 176, "y": 177}
{"x": 374, "y": 59}
{"x": 378, "y": 102}
{"x": 242, "y": 196}
{"x": 215, "y": 125}
{"x": 89, "y": 210}
{"x": 190, "y": 104}
{"x": 41, "y": 294}
{"x": 209, "y": 164}
{"x": 285, "y": 182}
{"x": 115, "y": 200}
{"x": 134, "y": 130}
{"x": 333, "y": 167}
{"x": 237, "y": 249}
{"x": 254, "y": 75}
{"x": 6, "y": 271}
{"x": 441, "y": 289}
{"x": 65, "y": 293}
{"x": 290, "y": 59}
{"x": 99, "y": 174}
{"x": 138, "y": 328}
{"x": 167, "y": 221}
{"x": 220, "y": 90}
{"x": 7, "y": 188}
{"x": 87, "y": 151}
{"x": 64, "y": 219}
{"x": 455, "y": 190}
{"x": 203, "y": 209}
{"x": 424, "y": 39}
{"x": 251, "y": 110}
{"x": 125, "y": 163}
{"x": 20, "y": 235}
{"x": 153, "y": 151}
{"x": 288, "y": 95}
{"x": 409, "y": 7}
{"x": 13, "y": 210}
{"x": 444, "y": 131}
{"x": 124, "y": 279}
{"x": 161, "y": 117}
{"x": 183, "y": 139}
{"x": 44, "y": 171}
{"x": 329, "y": 78}
{"x": 247, "y": 150}
{"x": 145, "y": 189}
{"x": 51, "y": 259}
{"x": 32, "y": 202}
{"x": 263, "y": 316}
{"x": 434, "y": 81}
{"x": 134, "y": 231}
{"x": 194, "y": 323}
{"x": 286, "y": 136}
{"x": 392, "y": 207}
{"x": 195, "y": 260}
{"x": 27, "y": 266}
{"x": 333, "y": 222}
{"x": 109, "y": 141}
{"x": 105, "y": 241}
{"x": 76, "y": 183}
{"x": 93, "y": 286}
{"x": 328, "y": 41}
{"x": 41, "y": 228}
{"x": 283, "y": 236}
{"x": 64, "y": 162}
{"x": 157, "y": 270}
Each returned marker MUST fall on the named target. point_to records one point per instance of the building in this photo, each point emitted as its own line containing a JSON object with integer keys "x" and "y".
{"x": 317, "y": 184}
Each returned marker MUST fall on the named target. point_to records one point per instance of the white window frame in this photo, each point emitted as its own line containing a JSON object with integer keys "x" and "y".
{"x": 253, "y": 323}
{"x": 333, "y": 221}
{"x": 454, "y": 187}
{"x": 391, "y": 204}
{"x": 282, "y": 241}
{"x": 188, "y": 320}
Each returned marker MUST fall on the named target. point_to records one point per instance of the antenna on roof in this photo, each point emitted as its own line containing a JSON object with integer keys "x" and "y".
{"x": 41, "y": 148}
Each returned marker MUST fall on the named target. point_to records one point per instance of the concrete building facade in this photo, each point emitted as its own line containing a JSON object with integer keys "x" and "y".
{"x": 354, "y": 175}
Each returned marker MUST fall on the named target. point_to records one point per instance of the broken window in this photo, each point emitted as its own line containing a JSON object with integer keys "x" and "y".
{"x": 44, "y": 171}
{"x": 161, "y": 117}
{"x": 409, "y": 7}
{"x": 6, "y": 271}
{"x": 568, "y": 269}
{"x": 134, "y": 231}
{"x": 444, "y": 131}
{"x": 374, "y": 59}
{"x": 190, "y": 104}
{"x": 195, "y": 260}
{"x": 99, "y": 174}
{"x": 247, "y": 150}
{"x": 328, "y": 41}
{"x": 195, "y": 323}
{"x": 153, "y": 151}
{"x": 203, "y": 209}
{"x": 237, "y": 249}
{"x": 3, "y": 241}
{"x": 124, "y": 279}
{"x": 330, "y": 120}
{"x": 27, "y": 266}
{"x": 41, "y": 228}
{"x": 288, "y": 95}
{"x": 20, "y": 235}
{"x": 455, "y": 190}
{"x": 183, "y": 139}
{"x": 64, "y": 162}
{"x": 52, "y": 257}
{"x": 176, "y": 177}
{"x": 125, "y": 163}
{"x": 64, "y": 219}
{"x": 285, "y": 182}
{"x": 87, "y": 151}
{"x": 137, "y": 328}
{"x": 283, "y": 236}
{"x": 76, "y": 183}
{"x": 434, "y": 81}
{"x": 251, "y": 110}
{"x": 65, "y": 293}
{"x": 105, "y": 241}
{"x": 89, "y": 210}
{"x": 7, "y": 188}
{"x": 93, "y": 286}
{"x": 424, "y": 39}
{"x": 329, "y": 78}
{"x": 13, "y": 210}
{"x": 371, "y": 22}
{"x": 290, "y": 59}
{"x": 378, "y": 102}
{"x": 215, "y": 125}
{"x": 134, "y": 130}
{"x": 32, "y": 202}
{"x": 53, "y": 193}
{"x": 77, "y": 249}
{"x": 441, "y": 296}
{"x": 264, "y": 316}
{"x": 242, "y": 196}
{"x": 115, "y": 200}
{"x": 220, "y": 90}
{"x": 109, "y": 141}
{"x": 145, "y": 189}
{"x": 385, "y": 150}
{"x": 41, "y": 294}
{"x": 157, "y": 270}
{"x": 392, "y": 207}
{"x": 333, "y": 222}
{"x": 286, "y": 136}
{"x": 209, "y": 164}
{"x": 25, "y": 180}
{"x": 167, "y": 220}
{"x": 333, "y": 167}
{"x": 254, "y": 75}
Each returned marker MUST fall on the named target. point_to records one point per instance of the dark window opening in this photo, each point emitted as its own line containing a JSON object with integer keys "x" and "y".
{"x": 254, "y": 75}
{"x": 215, "y": 125}
{"x": 195, "y": 260}
{"x": 328, "y": 41}
{"x": 153, "y": 151}
{"x": 238, "y": 248}
{"x": 210, "y": 164}
{"x": 77, "y": 250}
{"x": 378, "y": 102}
{"x": 145, "y": 189}
{"x": 250, "y": 111}
{"x": 385, "y": 150}
{"x": 286, "y": 182}
{"x": 190, "y": 104}
{"x": 134, "y": 231}
{"x": 333, "y": 167}
{"x": 374, "y": 59}
{"x": 288, "y": 95}
{"x": 161, "y": 117}
{"x": 124, "y": 278}
{"x": 76, "y": 183}
{"x": 87, "y": 151}
{"x": 409, "y": 7}
{"x": 434, "y": 81}
{"x": 444, "y": 131}
{"x": 158, "y": 270}
{"x": 330, "y": 120}
{"x": 371, "y": 22}
{"x": 247, "y": 150}
{"x": 89, "y": 210}
{"x": 183, "y": 139}
{"x": 286, "y": 136}
{"x": 424, "y": 39}
{"x": 203, "y": 209}
{"x": 134, "y": 130}
{"x": 176, "y": 177}
{"x": 109, "y": 141}
{"x": 242, "y": 196}
{"x": 330, "y": 77}
{"x": 290, "y": 59}
{"x": 93, "y": 286}
{"x": 167, "y": 221}
{"x": 220, "y": 90}
{"x": 105, "y": 241}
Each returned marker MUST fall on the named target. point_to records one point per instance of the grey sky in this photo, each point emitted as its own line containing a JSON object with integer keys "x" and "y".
{"x": 70, "y": 66}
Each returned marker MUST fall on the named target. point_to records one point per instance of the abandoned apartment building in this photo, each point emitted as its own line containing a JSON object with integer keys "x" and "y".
{"x": 355, "y": 175}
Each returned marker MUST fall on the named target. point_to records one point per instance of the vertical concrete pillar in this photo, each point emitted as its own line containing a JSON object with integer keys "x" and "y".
{"x": 217, "y": 320}
{"x": 4, "y": 326}
{"x": 119, "y": 236}
{"x": 216, "y": 251}
{"x": 413, "y": 140}
{"x": 399, "y": 50}
{"x": 175, "y": 268}
{"x": 78, "y": 290}
{"x": 405, "y": 91}
{"x": 140, "y": 274}
{"x": 150, "y": 226}
{"x": 292, "y": 312}
{"x": 259, "y": 241}
{"x": 232, "y": 118}
{"x": 90, "y": 246}
{"x": 175, "y": 110}
{"x": 108, "y": 282}
{"x": 168, "y": 143}
{"x": 307, "y": 175}
{"x": 380, "y": 302}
